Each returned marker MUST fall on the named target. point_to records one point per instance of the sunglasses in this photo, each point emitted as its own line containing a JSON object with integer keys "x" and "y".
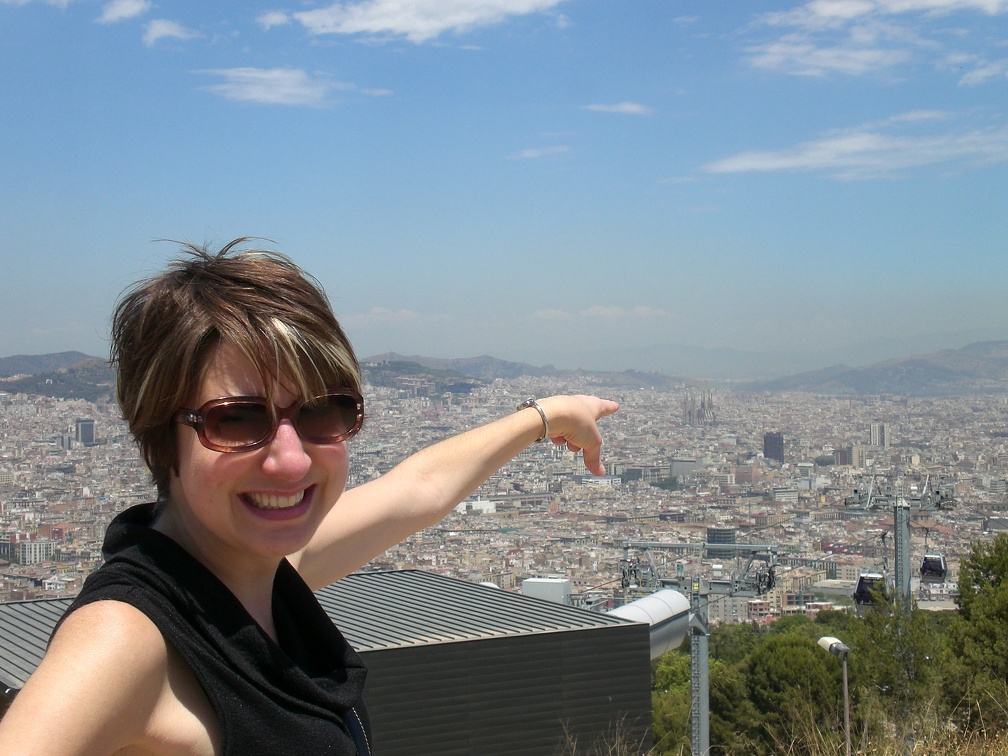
{"x": 244, "y": 423}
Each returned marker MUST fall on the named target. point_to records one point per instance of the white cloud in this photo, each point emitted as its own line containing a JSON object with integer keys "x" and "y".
{"x": 859, "y": 37}
{"x": 161, "y": 28}
{"x": 801, "y": 56}
{"x": 272, "y": 18}
{"x": 997, "y": 69}
{"x": 57, "y": 3}
{"x": 534, "y": 153}
{"x": 915, "y": 116}
{"x": 821, "y": 14}
{"x": 122, "y": 10}
{"x": 625, "y": 108}
{"x": 869, "y": 151}
{"x": 417, "y": 20}
{"x": 273, "y": 86}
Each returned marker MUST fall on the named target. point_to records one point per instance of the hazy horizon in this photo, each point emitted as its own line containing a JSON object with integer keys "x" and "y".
{"x": 569, "y": 182}
{"x": 723, "y": 364}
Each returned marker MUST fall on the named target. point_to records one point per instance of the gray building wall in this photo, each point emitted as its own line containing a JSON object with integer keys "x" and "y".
{"x": 530, "y": 694}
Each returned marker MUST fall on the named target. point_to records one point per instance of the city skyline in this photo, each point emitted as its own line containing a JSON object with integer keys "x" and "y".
{"x": 570, "y": 182}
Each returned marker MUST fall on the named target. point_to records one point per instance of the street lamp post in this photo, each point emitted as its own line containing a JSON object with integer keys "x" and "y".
{"x": 838, "y": 648}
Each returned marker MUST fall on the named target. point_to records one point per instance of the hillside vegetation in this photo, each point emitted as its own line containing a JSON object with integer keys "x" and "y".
{"x": 933, "y": 683}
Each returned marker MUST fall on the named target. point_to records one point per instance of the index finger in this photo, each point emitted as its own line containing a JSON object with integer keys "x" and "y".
{"x": 593, "y": 460}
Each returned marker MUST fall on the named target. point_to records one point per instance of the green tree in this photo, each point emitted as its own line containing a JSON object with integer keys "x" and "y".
{"x": 978, "y": 648}
{"x": 671, "y": 670}
{"x": 670, "y": 702}
{"x": 797, "y": 624}
{"x": 793, "y": 686}
{"x": 731, "y": 643}
{"x": 835, "y": 622}
{"x": 895, "y": 669}
{"x": 734, "y": 721}
{"x": 670, "y": 721}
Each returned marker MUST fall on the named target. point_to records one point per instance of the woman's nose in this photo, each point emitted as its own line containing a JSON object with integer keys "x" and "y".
{"x": 287, "y": 457}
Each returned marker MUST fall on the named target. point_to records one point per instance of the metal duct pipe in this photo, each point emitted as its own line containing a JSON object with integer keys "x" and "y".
{"x": 666, "y": 611}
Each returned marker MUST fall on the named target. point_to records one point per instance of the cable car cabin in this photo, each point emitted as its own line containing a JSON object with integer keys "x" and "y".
{"x": 933, "y": 568}
{"x": 868, "y": 585}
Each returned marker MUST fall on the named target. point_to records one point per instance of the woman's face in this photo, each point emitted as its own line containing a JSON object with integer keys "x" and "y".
{"x": 256, "y": 505}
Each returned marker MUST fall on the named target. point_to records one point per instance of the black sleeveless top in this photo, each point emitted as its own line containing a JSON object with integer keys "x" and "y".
{"x": 299, "y": 696}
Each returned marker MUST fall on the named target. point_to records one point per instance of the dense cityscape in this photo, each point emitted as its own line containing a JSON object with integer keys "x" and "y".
{"x": 685, "y": 466}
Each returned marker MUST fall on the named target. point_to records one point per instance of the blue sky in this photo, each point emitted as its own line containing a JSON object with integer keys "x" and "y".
{"x": 579, "y": 182}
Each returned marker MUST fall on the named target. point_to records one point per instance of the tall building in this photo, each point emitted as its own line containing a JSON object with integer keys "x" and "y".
{"x": 878, "y": 435}
{"x": 85, "y": 431}
{"x": 723, "y": 536}
{"x": 857, "y": 455}
{"x": 773, "y": 446}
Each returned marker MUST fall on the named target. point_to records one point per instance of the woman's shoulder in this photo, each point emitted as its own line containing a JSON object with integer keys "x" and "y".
{"x": 99, "y": 632}
{"x": 99, "y": 684}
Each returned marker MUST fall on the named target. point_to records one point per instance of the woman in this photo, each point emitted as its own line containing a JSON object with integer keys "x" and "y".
{"x": 200, "y": 634}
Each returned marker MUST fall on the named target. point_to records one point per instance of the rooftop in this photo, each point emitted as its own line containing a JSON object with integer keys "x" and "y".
{"x": 374, "y": 611}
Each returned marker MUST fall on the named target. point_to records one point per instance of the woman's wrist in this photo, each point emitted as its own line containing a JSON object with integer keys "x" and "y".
{"x": 531, "y": 403}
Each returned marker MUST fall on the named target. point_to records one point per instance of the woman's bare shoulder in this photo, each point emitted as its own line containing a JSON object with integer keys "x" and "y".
{"x": 99, "y": 684}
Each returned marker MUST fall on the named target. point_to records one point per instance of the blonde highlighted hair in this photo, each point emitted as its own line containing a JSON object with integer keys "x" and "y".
{"x": 165, "y": 328}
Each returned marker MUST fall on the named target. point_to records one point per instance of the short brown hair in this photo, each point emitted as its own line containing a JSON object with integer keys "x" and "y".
{"x": 258, "y": 301}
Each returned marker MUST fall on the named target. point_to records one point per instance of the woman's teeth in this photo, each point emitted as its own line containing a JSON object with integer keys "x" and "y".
{"x": 270, "y": 501}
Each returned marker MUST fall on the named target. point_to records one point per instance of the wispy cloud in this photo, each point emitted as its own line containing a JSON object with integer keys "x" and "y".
{"x": 797, "y": 54}
{"x": 272, "y": 18}
{"x": 819, "y": 14}
{"x": 123, "y": 10}
{"x": 858, "y": 37}
{"x": 625, "y": 108}
{"x": 876, "y": 150}
{"x": 57, "y": 3}
{"x": 162, "y": 28}
{"x": 273, "y": 86}
{"x": 535, "y": 153}
{"x": 985, "y": 71}
{"x": 417, "y": 20}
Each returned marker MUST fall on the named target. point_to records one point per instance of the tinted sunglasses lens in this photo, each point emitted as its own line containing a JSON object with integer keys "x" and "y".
{"x": 328, "y": 418}
{"x": 237, "y": 425}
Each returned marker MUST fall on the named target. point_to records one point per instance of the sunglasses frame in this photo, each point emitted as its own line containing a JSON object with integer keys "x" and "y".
{"x": 196, "y": 419}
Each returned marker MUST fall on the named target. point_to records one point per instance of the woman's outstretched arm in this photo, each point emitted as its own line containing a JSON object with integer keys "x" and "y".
{"x": 425, "y": 487}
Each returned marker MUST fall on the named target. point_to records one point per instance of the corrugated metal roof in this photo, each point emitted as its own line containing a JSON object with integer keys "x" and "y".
{"x": 373, "y": 610}
{"x": 25, "y": 627}
{"x": 381, "y": 610}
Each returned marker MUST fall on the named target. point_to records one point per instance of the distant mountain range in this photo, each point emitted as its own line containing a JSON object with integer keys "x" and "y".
{"x": 977, "y": 368}
{"x": 485, "y": 368}
{"x": 66, "y": 375}
{"x": 980, "y": 368}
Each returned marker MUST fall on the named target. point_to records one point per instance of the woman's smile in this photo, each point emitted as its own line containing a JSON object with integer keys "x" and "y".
{"x": 274, "y": 501}
{"x": 273, "y": 506}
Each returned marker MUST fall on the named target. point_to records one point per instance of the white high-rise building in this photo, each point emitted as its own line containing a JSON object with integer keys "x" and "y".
{"x": 878, "y": 435}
